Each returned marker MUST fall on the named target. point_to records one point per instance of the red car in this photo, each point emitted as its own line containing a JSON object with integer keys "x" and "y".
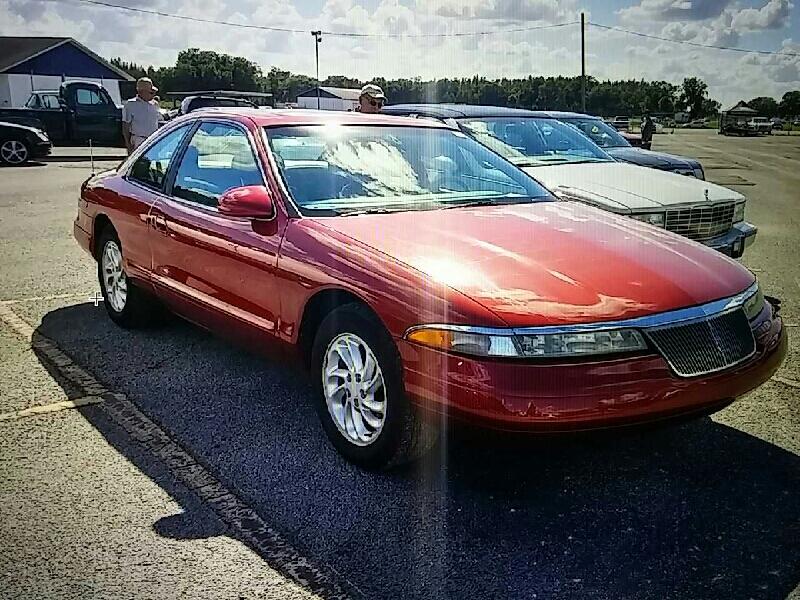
{"x": 417, "y": 272}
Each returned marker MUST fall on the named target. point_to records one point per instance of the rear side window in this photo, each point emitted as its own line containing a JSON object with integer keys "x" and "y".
{"x": 151, "y": 167}
{"x": 50, "y": 101}
{"x": 219, "y": 157}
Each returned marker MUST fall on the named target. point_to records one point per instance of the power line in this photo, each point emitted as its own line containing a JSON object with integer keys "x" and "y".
{"x": 350, "y": 34}
{"x": 689, "y": 43}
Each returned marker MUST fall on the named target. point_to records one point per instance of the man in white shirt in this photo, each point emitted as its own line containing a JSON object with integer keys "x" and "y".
{"x": 140, "y": 115}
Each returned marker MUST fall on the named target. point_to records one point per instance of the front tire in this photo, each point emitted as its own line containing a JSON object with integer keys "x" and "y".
{"x": 127, "y": 305}
{"x": 14, "y": 153}
{"x": 360, "y": 398}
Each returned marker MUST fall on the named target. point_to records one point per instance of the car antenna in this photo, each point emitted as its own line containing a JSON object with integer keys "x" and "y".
{"x": 91, "y": 156}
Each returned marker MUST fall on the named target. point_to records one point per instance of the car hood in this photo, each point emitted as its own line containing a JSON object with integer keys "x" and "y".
{"x": 622, "y": 187}
{"x": 649, "y": 158}
{"x": 548, "y": 263}
{"x": 19, "y": 126}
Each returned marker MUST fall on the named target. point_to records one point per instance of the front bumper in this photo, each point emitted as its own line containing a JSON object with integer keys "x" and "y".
{"x": 553, "y": 396}
{"x": 41, "y": 149}
{"x": 734, "y": 243}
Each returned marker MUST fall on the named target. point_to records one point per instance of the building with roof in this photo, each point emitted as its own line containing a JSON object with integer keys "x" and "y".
{"x": 330, "y": 98}
{"x": 43, "y": 63}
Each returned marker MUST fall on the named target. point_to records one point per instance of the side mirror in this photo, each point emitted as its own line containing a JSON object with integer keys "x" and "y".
{"x": 251, "y": 201}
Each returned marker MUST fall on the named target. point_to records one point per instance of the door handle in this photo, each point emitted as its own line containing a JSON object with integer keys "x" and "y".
{"x": 158, "y": 223}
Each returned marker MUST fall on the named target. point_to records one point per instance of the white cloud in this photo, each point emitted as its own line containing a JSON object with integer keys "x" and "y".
{"x": 672, "y": 10}
{"x": 773, "y": 15}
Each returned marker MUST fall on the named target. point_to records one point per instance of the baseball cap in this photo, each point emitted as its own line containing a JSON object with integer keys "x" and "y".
{"x": 373, "y": 91}
{"x": 145, "y": 80}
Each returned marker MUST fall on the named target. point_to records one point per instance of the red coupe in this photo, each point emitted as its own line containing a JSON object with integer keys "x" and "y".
{"x": 417, "y": 272}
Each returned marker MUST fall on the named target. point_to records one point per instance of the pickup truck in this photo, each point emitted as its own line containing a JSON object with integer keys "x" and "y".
{"x": 81, "y": 111}
{"x": 760, "y": 125}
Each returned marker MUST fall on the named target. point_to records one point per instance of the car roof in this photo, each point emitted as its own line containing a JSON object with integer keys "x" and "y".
{"x": 562, "y": 114}
{"x": 444, "y": 111}
{"x": 281, "y": 117}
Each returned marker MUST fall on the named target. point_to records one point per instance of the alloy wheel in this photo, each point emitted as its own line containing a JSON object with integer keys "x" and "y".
{"x": 114, "y": 280}
{"x": 354, "y": 389}
{"x": 14, "y": 152}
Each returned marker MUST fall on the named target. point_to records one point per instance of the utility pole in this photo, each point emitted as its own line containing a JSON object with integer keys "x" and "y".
{"x": 317, "y": 39}
{"x": 583, "y": 62}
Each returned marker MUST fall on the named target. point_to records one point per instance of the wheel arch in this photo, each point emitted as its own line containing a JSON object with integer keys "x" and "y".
{"x": 99, "y": 225}
{"x": 319, "y": 306}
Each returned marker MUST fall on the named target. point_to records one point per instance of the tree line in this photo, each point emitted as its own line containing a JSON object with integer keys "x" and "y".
{"x": 197, "y": 69}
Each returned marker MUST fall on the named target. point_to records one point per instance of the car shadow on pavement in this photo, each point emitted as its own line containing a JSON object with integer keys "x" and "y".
{"x": 700, "y": 510}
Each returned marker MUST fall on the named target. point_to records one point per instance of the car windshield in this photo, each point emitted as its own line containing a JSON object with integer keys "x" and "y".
{"x": 345, "y": 169}
{"x": 532, "y": 141}
{"x": 600, "y": 132}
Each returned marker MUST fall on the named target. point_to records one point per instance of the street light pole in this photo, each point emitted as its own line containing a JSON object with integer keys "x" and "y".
{"x": 317, "y": 39}
{"x": 583, "y": 62}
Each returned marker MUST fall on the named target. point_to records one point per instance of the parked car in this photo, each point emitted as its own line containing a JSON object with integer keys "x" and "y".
{"x": 760, "y": 125}
{"x": 777, "y": 122}
{"x": 85, "y": 111}
{"x": 191, "y": 103}
{"x": 610, "y": 140}
{"x": 575, "y": 168}
{"x": 620, "y": 123}
{"x": 20, "y": 143}
{"x": 417, "y": 272}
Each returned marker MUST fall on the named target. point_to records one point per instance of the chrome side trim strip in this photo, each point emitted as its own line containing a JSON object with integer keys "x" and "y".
{"x": 664, "y": 319}
{"x": 198, "y": 296}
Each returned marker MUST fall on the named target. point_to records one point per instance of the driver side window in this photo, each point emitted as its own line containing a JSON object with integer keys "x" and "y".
{"x": 219, "y": 157}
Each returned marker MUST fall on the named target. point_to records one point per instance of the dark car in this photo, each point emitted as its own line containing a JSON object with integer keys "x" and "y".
{"x": 618, "y": 146}
{"x": 83, "y": 111}
{"x": 21, "y": 143}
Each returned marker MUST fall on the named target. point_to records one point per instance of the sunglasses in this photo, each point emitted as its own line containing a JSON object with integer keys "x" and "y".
{"x": 375, "y": 102}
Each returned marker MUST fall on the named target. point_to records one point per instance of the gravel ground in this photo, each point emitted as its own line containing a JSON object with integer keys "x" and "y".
{"x": 709, "y": 509}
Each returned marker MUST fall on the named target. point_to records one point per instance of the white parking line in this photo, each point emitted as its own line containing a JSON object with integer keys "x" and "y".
{"x": 50, "y": 408}
{"x": 244, "y": 522}
{"x": 40, "y": 298}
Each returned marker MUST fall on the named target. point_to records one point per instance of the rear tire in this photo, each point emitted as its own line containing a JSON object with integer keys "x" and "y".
{"x": 128, "y": 305}
{"x": 373, "y": 426}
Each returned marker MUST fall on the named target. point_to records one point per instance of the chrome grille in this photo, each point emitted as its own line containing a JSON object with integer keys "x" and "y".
{"x": 702, "y": 222}
{"x": 705, "y": 346}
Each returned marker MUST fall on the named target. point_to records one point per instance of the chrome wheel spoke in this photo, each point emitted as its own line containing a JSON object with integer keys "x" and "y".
{"x": 115, "y": 282}
{"x": 370, "y": 419}
{"x": 351, "y": 376}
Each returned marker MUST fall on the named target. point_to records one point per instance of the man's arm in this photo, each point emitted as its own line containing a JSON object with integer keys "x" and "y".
{"x": 126, "y": 127}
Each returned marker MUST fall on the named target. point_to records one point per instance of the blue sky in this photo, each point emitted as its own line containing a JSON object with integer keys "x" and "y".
{"x": 756, "y": 24}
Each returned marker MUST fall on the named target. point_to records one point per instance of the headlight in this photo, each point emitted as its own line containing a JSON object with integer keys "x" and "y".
{"x": 581, "y": 344}
{"x": 546, "y": 345}
{"x": 738, "y": 212}
{"x": 754, "y": 305}
{"x": 656, "y": 219}
{"x": 699, "y": 173}
{"x": 464, "y": 342}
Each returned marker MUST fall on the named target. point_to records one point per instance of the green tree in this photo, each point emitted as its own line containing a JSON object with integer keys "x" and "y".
{"x": 692, "y": 96}
{"x": 790, "y": 104}
{"x": 766, "y": 106}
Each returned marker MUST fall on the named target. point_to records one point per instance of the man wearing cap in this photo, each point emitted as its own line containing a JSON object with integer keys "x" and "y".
{"x": 371, "y": 100}
{"x": 140, "y": 114}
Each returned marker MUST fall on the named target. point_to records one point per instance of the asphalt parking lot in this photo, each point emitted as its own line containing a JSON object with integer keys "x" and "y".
{"x": 170, "y": 463}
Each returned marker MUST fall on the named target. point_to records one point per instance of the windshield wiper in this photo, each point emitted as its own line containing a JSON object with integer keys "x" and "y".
{"x": 489, "y": 202}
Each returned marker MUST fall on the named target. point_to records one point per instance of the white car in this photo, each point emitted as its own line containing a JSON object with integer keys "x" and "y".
{"x": 575, "y": 168}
